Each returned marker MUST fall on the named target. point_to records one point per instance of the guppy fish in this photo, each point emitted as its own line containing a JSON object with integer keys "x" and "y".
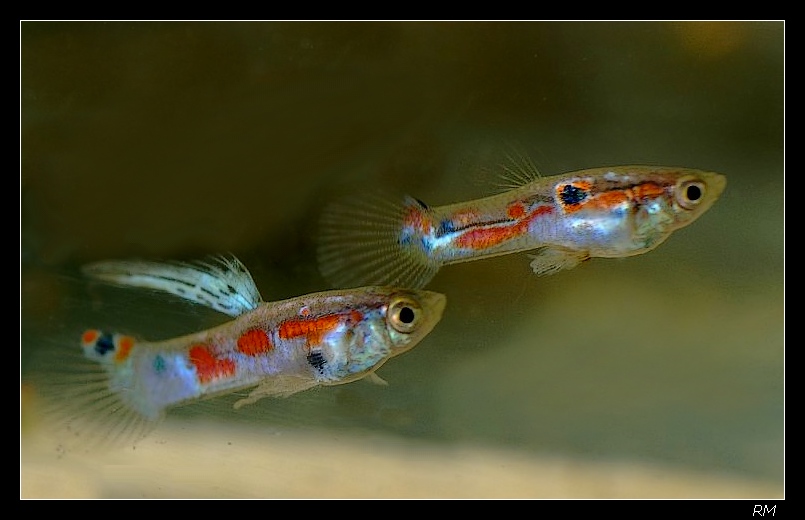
{"x": 273, "y": 348}
{"x": 565, "y": 219}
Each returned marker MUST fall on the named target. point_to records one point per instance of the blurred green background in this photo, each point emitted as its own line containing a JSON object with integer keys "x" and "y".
{"x": 650, "y": 374}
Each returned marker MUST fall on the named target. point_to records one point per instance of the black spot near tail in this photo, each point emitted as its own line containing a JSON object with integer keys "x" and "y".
{"x": 104, "y": 344}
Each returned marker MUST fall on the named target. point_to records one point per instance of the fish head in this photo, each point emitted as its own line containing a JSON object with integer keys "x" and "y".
{"x": 677, "y": 198}
{"x": 411, "y": 315}
{"x": 629, "y": 210}
{"x": 387, "y": 322}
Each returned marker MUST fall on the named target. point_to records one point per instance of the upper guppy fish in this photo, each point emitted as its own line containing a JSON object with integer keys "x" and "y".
{"x": 270, "y": 348}
{"x": 564, "y": 219}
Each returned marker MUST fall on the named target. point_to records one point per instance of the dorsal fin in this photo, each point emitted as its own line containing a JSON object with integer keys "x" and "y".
{"x": 222, "y": 282}
{"x": 516, "y": 169}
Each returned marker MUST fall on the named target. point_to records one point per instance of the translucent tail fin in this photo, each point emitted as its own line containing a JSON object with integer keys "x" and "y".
{"x": 375, "y": 240}
{"x": 88, "y": 394}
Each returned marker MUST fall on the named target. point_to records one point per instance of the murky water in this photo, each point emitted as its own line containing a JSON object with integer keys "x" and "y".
{"x": 657, "y": 375}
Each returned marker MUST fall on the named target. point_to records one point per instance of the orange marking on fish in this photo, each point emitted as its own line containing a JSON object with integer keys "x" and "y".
{"x": 609, "y": 199}
{"x": 123, "y": 349}
{"x": 647, "y": 190}
{"x": 465, "y": 218}
{"x": 516, "y": 210}
{"x": 254, "y": 342}
{"x": 208, "y": 367}
{"x": 416, "y": 219}
{"x": 490, "y": 237}
{"x": 483, "y": 238}
{"x": 90, "y": 336}
{"x": 312, "y": 329}
{"x": 605, "y": 200}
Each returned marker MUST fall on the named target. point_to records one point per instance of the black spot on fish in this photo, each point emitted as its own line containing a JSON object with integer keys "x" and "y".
{"x": 176, "y": 280}
{"x": 572, "y": 194}
{"x": 445, "y": 226}
{"x": 104, "y": 344}
{"x": 316, "y": 360}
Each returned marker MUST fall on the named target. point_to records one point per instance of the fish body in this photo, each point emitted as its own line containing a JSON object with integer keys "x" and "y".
{"x": 269, "y": 348}
{"x": 564, "y": 219}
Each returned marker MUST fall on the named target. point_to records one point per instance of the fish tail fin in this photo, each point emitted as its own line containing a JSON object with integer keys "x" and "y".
{"x": 375, "y": 240}
{"x": 90, "y": 397}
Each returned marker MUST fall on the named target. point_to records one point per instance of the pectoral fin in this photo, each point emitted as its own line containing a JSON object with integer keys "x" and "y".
{"x": 376, "y": 379}
{"x": 550, "y": 260}
{"x": 277, "y": 386}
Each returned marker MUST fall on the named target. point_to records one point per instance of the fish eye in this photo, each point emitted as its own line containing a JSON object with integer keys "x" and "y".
{"x": 404, "y": 314}
{"x": 689, "y": 193}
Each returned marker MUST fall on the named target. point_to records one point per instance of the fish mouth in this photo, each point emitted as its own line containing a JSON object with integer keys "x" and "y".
{"x": 716, "y": 182}
{"x": 435, "y": 304}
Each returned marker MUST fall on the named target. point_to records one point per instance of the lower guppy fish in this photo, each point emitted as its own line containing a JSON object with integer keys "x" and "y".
{"x": 125, "y": 384}
{"x": 564, "y": 219}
